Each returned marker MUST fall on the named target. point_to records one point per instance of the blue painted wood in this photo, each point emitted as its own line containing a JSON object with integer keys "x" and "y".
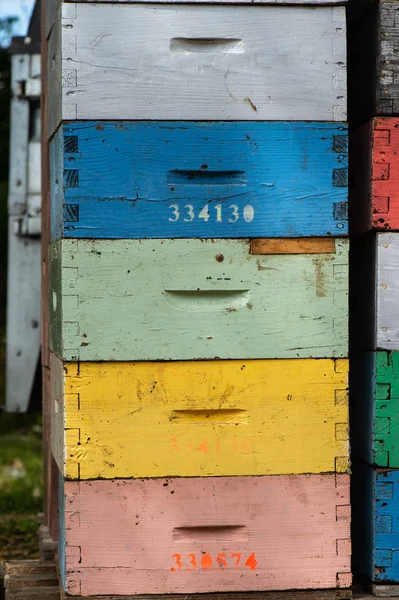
{"x": 169, "y": 179}
{"x": 376, "y": 522}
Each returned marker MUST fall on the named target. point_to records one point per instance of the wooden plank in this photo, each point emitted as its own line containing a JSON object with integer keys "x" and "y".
{"x": 375, "y": 393}
{"x": 373, "y": 64}
{"x": 190, "y": 179}
{"x": 276, "y": 595}
{"x": 53, "y": 5}
{"x": 23, "y": 319}
{"x": 126, "y": 299}
{"x": 45, "y": 238}
{"x": 41, "y": 593}
{"x": 375, "y": 523}
{"x": 293, "y": 246}
{"x": 291, "y": 532}
{"x": 32, "y": 566}
{"x": 376, "y": 183}
{"x": 33, "y": 580}
{"x": 199, "y": 418}
{"x": 385, "y": 591}
{"x": 387, "y": 291}
{"x": 197, "y": 62}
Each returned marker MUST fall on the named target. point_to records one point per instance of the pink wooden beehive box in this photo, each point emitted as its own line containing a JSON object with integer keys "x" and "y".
{"x": 187, "y": 535}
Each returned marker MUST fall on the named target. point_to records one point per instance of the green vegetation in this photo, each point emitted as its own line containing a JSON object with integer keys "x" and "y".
{"x": 21, "y": 487}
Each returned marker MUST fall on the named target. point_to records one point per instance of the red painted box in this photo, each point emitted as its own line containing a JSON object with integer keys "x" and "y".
{"x": 375, "y": 176}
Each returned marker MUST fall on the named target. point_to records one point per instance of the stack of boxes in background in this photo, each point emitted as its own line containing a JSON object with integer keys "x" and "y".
{"x": 375, "y": 285}
{"x": 198, "y": 188}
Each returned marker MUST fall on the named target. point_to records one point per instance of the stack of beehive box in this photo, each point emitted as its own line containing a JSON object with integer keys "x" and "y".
{"x": 199, "y": 296}
{"x": 375, "y": 307}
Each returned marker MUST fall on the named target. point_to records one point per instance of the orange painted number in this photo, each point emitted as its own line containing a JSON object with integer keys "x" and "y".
{"x": 193, "y": 561}
{"x": 221, "y": 560}
{"x": 178, "y": 564}
{"x": 236, "y": 555}
{"x": 174, "y": 443}
{"x": 206, "y": 562}
{"x": 203, "y": 447}
{"x": 251, "y": 561}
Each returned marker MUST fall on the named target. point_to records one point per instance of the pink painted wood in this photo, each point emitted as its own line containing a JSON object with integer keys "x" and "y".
{"x": 188, "y": 535}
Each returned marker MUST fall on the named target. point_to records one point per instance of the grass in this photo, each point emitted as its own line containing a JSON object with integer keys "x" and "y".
{"x": 21, "y": 479}
{"x": 21, "y": 486}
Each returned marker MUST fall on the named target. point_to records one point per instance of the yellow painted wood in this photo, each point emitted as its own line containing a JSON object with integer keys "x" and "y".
{"x": 206, "y": 418}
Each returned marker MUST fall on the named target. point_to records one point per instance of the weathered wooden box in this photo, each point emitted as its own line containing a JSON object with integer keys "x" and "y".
{"x": 373, "y": 59}
{"x": 375, "y": 292}
{"x": 151, "y": 179}
{"x": 187, "y": 535}
{"x": 387, "y": 291}
{"x": 375, "y": 166}
{"x": 198, "y": 299}
{"x": 375, "y": 512}
{"x": 197, "y": 62}
{"x": 374, "y": 385}
{"x": 199, "y": 418}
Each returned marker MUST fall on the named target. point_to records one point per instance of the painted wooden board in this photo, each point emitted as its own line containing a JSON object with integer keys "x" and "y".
{"x": 375, "y": 407}
{"x": 199, "y": 418}
{"x": 387, "y": 291}
{"x": 197, "y": 62}
{"x": 218, "y": 534}
{"x": 373, "y": 63}
{"x": 376, "y": 182}
{"x": 375, "y": 510}
{"x": 192, "y": 299}
{"x": 190, "y": 179}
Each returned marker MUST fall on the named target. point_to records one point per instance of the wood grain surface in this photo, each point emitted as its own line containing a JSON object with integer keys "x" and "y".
{"x": 195, "y": 299}
{"x": 199, "y": 418}
{"x": 373, "y": 61}
{"x": 197, "y": 62}
{"x": 375, "y": 408}
{"x": 186, "y": 535}
{"x": 375, "y": 176}
{"x": 375, "y": 510}
{"x": 387, "y": 291}
{"x": 152, "y": 179}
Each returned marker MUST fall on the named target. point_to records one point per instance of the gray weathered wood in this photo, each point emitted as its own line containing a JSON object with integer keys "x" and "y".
{"x": 24, "y": 206}
{"x": 52, "y": 5}
{"x": 373, "y": 62}
{"x": 387, "y": 290}
{"x": 385, "y": 591}
{"x": 197, "y": 62}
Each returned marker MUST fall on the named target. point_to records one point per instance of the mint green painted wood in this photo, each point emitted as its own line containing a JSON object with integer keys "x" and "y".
{"x": 192, "y": 299}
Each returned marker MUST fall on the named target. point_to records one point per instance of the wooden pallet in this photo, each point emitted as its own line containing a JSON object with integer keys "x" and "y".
{"x": 31, "y": 580}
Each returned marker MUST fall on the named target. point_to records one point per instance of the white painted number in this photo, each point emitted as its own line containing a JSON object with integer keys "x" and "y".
{"x": 204, "y": 214}
{"x": 248, "y": 213}
{"x": 176, "y": 213}
{"x": 190, "y": 212}
{"x": 235, "y": 216}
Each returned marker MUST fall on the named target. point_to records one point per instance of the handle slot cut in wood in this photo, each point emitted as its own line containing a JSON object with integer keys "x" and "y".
{"x": 207, "y": 300}
{"x": 219, "y": 415}
{"x": 223, "y": 533}
{"x": 208, "y": 45}
{"x": 203, "y": 177}
{"x": 312, "y": 245}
